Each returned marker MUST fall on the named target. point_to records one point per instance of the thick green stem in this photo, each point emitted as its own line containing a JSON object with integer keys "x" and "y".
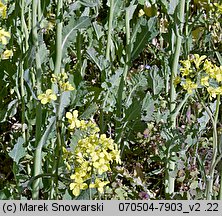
{"x": 210, "y": 177}
{"x": 187, "y": 48}
{"x": 170, "y": 180}
{"x": 37, "y": 157}
{"x": 24, "y": 25}
{"x": 59, "y": 26}
{"x": 57, "y": 70}
{"x": 110, "y": 29}
{"x": 57, "y": 156}
{"x": 79, "y": 51}
{"x": 24, "y": 49}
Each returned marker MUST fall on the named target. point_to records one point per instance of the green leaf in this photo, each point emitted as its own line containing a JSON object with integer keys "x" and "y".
{"x": 89, "y": 3}
{"x": 99, "y": 60}
{"x": 43, "y": 52}
{"x": 69, "y": 31}
{"x": 18, "y": 151}
{"x": 110, "y": 93}
{"x": 131, "y": 9}
{"x": 142, "y": 2}
{"x": 85, "y": 194}
{"x": 133, "y": 112}
{"x": 98, "y": 30}
{"x": 136, "y": 82}
{"x": 194, "y": 185}
{"x": 155, "y": 81}
{"x": 89, "y": 111}
{"x": 67, "y": 196}
{"x": 148, "y": 108}
{"x": 172, "y": 6}
{"x": 219, "y": 57}
{"x": 64, "y": 102}
{"x": 9, "y": 111}
{"x": 147, "y": 32}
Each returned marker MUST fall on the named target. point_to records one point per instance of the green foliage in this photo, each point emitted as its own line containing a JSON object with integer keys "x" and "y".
{"x": 126, "y": 67}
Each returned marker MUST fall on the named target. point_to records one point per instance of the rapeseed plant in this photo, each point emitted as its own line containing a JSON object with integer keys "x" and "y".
{"x": 94, "y": 154}
{"x": 199, "y": 72}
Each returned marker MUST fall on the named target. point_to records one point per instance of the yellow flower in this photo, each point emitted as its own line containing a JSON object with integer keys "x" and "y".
{"x": 99, "y": 184}
{"x": 204, "y": 81}
{"x": 101, "y": 166}
{"x": 3, "y": 9}
{"x": 54, "y": 78}
{"x": 47, "y": 97}
{"x": 198, "y": 60}
{"x": 77, "y": 187}
{"x": 141, "y": 13}
{"x": 7, "y": 54}
{"x": 176, "y": 80}
{"x": 214, "y": 91}
{"x": 3, "y": 36}
{"x": 94, "y": 156}
{"x": 63, "y": 76}
{"x": 66, "y": 86}
{"x": 189, "y": 86}
{"x": 218, "y": 74}
{"x": 73, "y": 119}
{"x": 186, "y": 67}
{"x": 208, "y": 66}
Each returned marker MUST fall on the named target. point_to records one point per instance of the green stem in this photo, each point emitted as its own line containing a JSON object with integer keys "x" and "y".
{"x": 187, "y": 49}
{"x": 210, "y": 177}
{"x": 79, "y": 51}
{"x": 24, "y": 25}
{"x": 110, "y": 29}
{"x": 37, "y": 156}
{"x": 57, "y": 70}
{"x": 59, "y": 27}
{"x": 169, "y": 180}
{"x": 220, "y": 191}
{"x": 57, "y": 153}
{"x": 128, "y": 45}
{"x": 21, "y": 69}
{"x": 57, "y": 156}
{"x": 40, "y": 15}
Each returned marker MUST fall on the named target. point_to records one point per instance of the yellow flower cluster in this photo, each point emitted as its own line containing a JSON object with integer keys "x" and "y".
{"x": 74, "y": 123}
{"x": 93, "y": 156}
{"x": 200, "y": 72}
{"x": 47, "y": 97}
{"x": 61, "y": 81}
{"x": 64, "y": 85}
{"x": 4, "y": 35}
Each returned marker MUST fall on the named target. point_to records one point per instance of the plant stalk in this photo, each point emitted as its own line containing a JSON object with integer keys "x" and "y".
{"x": 170, "y": 166}
{"x": 37, "y": 157}
{"x": 59, "y": 27}
{"x": 210, "y": 177}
